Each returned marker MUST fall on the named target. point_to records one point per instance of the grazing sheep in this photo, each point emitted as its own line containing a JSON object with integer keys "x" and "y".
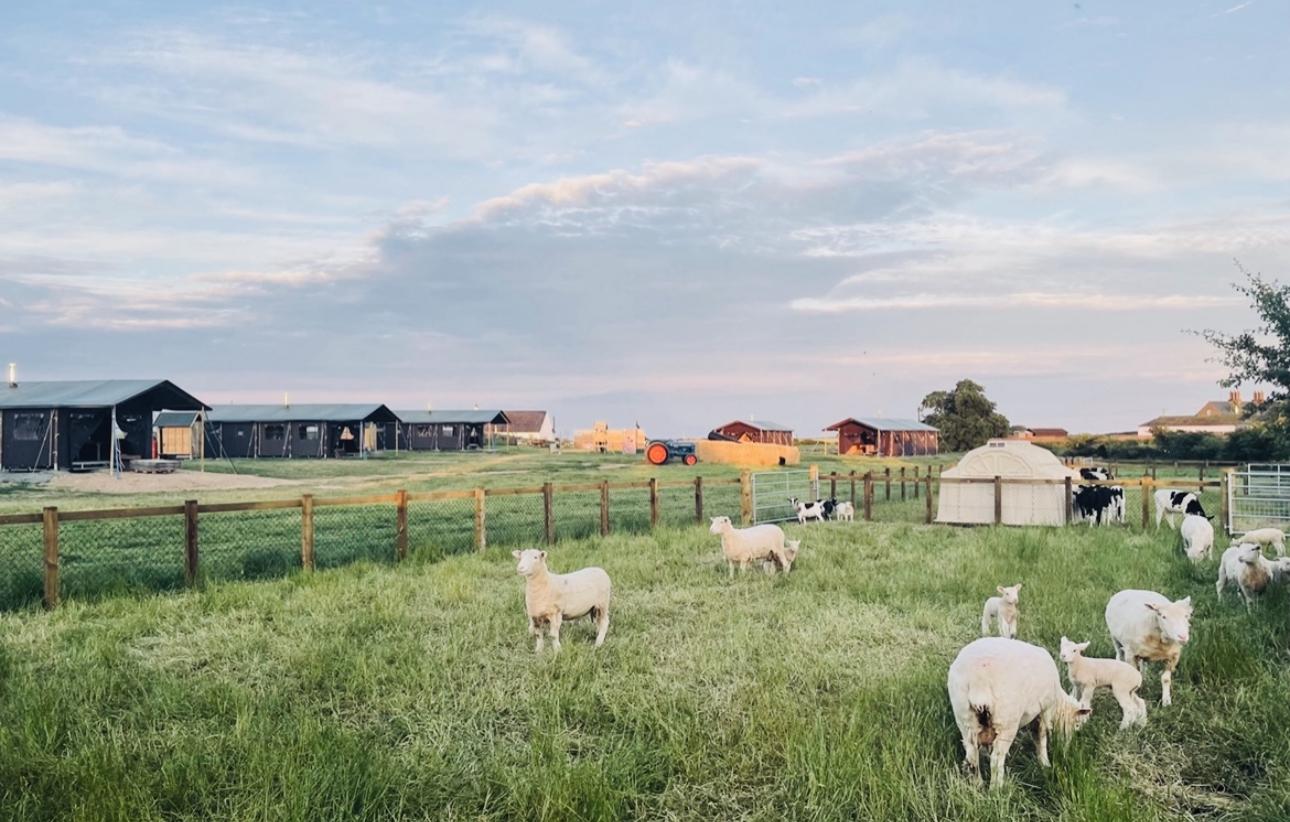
{"x": 997, "y": 686}
{"x": 1002, "y": 609}
{"x": 846, "y": 512}
{"x": 807, "y": 510}
{"x": 1087, "y": 674}
{"x": 1253, "y": 573}
{"x": 791, "y": 548}
{"x": 746, "y": 545}
{"x": 1176, "y": 502}
{"x": 1268, "y": 537}
{"x": 1198, "y": 537}
{"x": 549, "y": 598}
{"x": 1147, "y": 627}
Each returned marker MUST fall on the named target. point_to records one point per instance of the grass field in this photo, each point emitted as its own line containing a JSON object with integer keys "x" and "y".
{"x": 412, "y": 692}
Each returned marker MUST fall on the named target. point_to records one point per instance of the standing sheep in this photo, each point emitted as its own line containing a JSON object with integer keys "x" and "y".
{"x": 549, "y": 599}
{"x": 846, "y": 512}
{"x": 1147, "y": 627}
{"x": 743, "y": 546}
{"x": 997, "y": 686}
{"x": 1087, "y": 674}
{"x": 1198, "y": 537}
{"x": 1002, "y": 609}
{"x": 1252, "y": 572}
{"x": 1268, "y": 537}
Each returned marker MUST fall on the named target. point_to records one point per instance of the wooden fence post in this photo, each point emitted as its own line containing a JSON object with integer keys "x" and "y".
{"x": 307, "y": 532}
{"x": 698, "y": 500}
{"x": 928, "y": 495}
{"x": 50, "y": 534}
{"x": 833, "y": 485}
{"x": 853, "y": 488}
{"x": 653, "y": 502}
{"x": 998, "y": 500}
{"x": 887, "y": 473}
{"x": 400, "y": 525}
{"x": 813, "y": 474}
{"x": 1201, "y": 474}
{"x": 604, "y": 508}
{"x": 190, "y": 542}
{"x": 868, "y": 496}
{"x": 902, "y": 483}
{"x": 1070, "y": 499}
{"x": 1224, "y": 478}
{"x": 481, "y": 520}
{"x": 548, "y": 512}
{"x": 1146, "y": 501}
{"x": 745, "y": 497}
{"x": 915, "y": 482}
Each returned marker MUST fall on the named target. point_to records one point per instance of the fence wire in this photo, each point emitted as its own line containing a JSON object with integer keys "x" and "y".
{"x": 21, "y": 566}
{"x": 345, "y": 534}
{"x": 440, "y": 528}
{"x": 248, "y": 544}
{"x": 577, "y": 514}
{"x": 516, "y": 520}
{"x": 676, "y": 505}
{"x": 118, "y": 556}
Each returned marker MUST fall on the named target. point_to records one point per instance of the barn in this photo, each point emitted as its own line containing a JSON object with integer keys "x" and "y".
{"x": 533, "y": 427}
{"x": 450, "y": 430}
{"x": 1042, "y": 501}
{"x": 765, "y": 432}
{"x": 879, "y": 436}
{"x": 67, "y": 424}
{"x": 299, "y": 430}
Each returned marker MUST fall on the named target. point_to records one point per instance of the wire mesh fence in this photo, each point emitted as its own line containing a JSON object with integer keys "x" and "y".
{"x": 116, "y": 556}
{"x": 515, "y": 520}
{"x": 248, "y": 544}
{"x": 344, "y": 534}
{"x": 440, "y": 527}
{"x": 21, "y": 565}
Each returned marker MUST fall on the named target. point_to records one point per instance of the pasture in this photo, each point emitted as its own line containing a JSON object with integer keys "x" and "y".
{"x": 411, "y": 691}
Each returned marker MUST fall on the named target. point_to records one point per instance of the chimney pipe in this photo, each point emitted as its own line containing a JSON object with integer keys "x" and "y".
{"x": 13, "y": 375}
{"x": 286, "y": 398}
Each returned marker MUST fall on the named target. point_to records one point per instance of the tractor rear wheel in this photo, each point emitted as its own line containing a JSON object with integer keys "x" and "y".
{"x": 657, "y": 453}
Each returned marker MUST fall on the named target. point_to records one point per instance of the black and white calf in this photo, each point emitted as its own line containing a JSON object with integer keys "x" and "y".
{"x": 1097, "y": 472}
{"x": 1099, "y": 504}
{"x": 1176, "y": 502}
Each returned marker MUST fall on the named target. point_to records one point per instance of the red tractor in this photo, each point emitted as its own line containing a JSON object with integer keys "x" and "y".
{"x": 661, "y": 452}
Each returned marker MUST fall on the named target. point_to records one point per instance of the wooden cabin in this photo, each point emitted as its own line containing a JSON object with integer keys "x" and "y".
{"x": 765, "y": 432}
{"x": 883, "y": 437}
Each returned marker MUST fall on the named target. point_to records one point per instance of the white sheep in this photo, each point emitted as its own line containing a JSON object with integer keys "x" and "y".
{"x": 1087, "y": 674}
{"x": 1253, "y": 573}
{"x": 1268, "y": 537}
{"x": 996, "y": 687}
{"x": 743, "y": 546}
{"x": 1147, "y": 627}
{"x": 1002, "y": 609}
{"x": 549, "y": 598}
{"x": 1197, "y": 536}
{"x": 845, "y": 512}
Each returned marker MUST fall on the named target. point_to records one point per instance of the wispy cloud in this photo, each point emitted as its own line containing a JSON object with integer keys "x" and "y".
{"x": 1080, "y": 301}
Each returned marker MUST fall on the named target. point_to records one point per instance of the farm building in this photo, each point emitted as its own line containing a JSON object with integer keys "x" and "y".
{"x": 1218, "y": 417}
{"x": 769, "y": 433}
{"x": 600, "y": 437}
{"x": 179, "y": 434}
{"x": 1039, "y": 434}
{"x": 450, "y": 430}
{"x": 310, "y": 430}
{"x": 1022, "y": 504}
{"x": 53, "y": 425}
{"x": 528, "y": 427}
{"x": 885, "y": 437}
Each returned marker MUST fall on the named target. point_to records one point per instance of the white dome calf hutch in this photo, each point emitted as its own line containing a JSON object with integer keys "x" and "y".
{"x": 1022, "y": 503}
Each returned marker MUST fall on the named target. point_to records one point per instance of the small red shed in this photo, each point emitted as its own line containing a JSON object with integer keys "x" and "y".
{"x": 765, "y": 432}
{"x": 885, "y": 437}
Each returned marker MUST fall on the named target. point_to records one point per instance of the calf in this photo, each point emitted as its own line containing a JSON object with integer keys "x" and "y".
{"x": 1176, "y": 502}
{"x": 1095, "y": 473}
{"x": 1099, "y": 503}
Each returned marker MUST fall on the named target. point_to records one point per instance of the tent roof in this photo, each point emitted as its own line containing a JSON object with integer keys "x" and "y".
{"x": 175, "y": 419}
{"x": 1010, "y": 458}
{"x": 884, "y": 424}
{"x": 83, "y": 393}
{"x": 467, "y": 417}
{"x": 326, "y": 412}
{"x": 763, "y": 425}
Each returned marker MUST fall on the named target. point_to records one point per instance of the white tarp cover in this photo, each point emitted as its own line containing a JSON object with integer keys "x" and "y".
{"x": 1036, "y": 504}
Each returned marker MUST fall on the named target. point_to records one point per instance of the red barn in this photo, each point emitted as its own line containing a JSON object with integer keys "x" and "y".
{"x": 765, "y": 432}
{"x": 885, "y": 437}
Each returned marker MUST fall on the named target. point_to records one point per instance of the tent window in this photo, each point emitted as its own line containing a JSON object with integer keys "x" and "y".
{"x": 28, "y": 427}
{"x": 447, "y": 430}
{"x": 275, "y": 432}
{"x": 307, "y": 432}
{"x": 423, "y": 431}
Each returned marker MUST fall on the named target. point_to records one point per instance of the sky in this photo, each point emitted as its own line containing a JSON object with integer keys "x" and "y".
{"x": 671, "y": 214}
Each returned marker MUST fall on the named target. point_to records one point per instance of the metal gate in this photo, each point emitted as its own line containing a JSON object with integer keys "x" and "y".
{"x": 771, "y": 490}
{"x": 1258, "y": 497}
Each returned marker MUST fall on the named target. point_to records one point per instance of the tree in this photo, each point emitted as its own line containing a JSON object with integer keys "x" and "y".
{"x": 965, "y": 416}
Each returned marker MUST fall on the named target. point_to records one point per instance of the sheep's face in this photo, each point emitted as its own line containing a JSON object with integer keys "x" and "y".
{"x": 791, "y": 547}
{"x": 719, "y": 525}
{"x": 1249, "y": 553}
{"x": 1174, "y": 620}
{"x": 529, "y": 561}
{"x": 1010, "y": 594}
{"x": 1281, "y": 569}
{"x": 1072, "y": 650}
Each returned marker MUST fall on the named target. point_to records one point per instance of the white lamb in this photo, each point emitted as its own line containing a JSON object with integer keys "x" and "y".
{"x": 997, "y": 686}
{"x": 1147, "y": 627}
{"x": 1268, "y": 537}
{"x": 1253, "y": 573}
{"x": 1002, "y": 609}
{"x": 1087, "y": 674}
{"x": 1198, "y": 537}
{"x": 845, "y": 512}
{"x": 549, "y": 599}
{"x": 743, "y": 546}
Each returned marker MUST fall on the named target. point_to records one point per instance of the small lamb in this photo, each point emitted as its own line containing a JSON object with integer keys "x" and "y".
{"x": 845, "y": 512}
{"x": 1268, "y": 537}
{"x": 1003, "y": 609}
{"x": 1197, "y": 536}
{"x": 1087, "y": 674}
{"x": 743, "y": 546}
{"x": 1252, "y": 572}
{"x": 549, "y": 599}
{"x": 791, "y": 548}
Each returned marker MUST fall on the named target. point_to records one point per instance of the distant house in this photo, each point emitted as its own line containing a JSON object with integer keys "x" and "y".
{"x": 771, "y": 433}
{"x": 1217, "y": 417}
{"x": 452, "y": 430}
{"x": 885, "y": 437}
{"x": 1039, "y": 434}
{"x": 528, "y": 426}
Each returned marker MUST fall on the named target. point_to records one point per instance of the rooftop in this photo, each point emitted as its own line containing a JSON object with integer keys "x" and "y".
{"x": 328, "y": 412}
{"x": 760, "y": 425}
{"x": 884, "y": 424}
{"x": 473, "y": 416}
{"x": 81, "y": 393}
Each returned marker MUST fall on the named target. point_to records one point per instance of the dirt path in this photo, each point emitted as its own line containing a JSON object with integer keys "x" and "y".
{"x": 102, "y": 482}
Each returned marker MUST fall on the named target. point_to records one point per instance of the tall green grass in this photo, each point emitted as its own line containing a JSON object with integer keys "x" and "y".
{"x": 412, "y": 692}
